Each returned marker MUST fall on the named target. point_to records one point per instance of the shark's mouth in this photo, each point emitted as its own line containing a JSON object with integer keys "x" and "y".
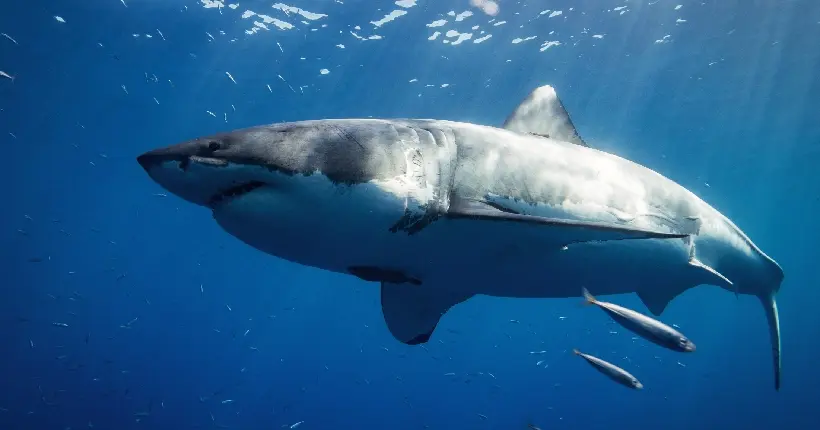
{"x": 234, "y": 192}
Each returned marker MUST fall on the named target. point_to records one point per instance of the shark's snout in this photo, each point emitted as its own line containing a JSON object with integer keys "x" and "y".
{"x": 154, "y": 158}
{"x": 201, "y": 172}
{"x": 149, "y": 160}
{"x": 146, "y": 161}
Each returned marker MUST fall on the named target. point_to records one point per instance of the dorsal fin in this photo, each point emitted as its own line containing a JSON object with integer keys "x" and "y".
{"x": 543, "y": 114}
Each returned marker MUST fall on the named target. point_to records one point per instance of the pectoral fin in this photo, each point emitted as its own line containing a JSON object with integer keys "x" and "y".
{"x": 413, "y": 312}
{"x": 566, "y": 231}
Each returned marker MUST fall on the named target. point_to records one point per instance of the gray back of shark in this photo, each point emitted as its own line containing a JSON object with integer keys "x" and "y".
{"x": 440, "y": 211}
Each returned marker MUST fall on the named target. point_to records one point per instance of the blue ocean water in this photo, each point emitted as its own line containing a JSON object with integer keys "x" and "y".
{"x": 125, "y": 308}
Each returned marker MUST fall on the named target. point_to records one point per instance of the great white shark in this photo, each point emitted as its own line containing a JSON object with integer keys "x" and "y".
{"x": 439, "y": 211}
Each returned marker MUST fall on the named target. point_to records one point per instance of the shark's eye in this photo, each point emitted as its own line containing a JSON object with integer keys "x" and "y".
{"x": 213, "y": 145}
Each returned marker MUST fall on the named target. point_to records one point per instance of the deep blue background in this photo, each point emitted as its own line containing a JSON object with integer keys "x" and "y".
{"x": 743, "y": 133}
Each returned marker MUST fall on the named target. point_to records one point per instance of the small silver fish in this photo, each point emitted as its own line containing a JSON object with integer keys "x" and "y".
{"x": 9, "y": 38}
{"x": 6, "y": 75}
{"x": 644, "y": 326}
{"x": 612, "y": 371}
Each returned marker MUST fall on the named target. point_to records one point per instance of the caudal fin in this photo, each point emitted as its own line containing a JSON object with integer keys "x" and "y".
{"x": 589, "y": 299}
{"x": 770, "y": 307}
{"x": 576, "y": 352}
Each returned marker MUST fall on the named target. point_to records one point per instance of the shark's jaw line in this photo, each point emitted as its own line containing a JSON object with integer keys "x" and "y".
{"x": 227, "y": 192}
{"x": 234, "y": 192}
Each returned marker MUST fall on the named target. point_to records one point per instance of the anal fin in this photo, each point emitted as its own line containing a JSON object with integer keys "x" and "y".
{"x": 413, "y": 312}
{"x": 657, "y": 299}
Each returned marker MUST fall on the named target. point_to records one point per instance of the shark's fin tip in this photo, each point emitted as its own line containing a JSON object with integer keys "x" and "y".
{"x": 770, "y": 307}
{"x": 541, "y": 113}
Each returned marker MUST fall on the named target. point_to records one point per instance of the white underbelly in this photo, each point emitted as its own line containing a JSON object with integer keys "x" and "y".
{"x": 332, "y": 230}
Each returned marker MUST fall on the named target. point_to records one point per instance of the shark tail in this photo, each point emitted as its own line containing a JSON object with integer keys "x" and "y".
{"x": 770, "y": 307}
{"x": 589, "y": 299}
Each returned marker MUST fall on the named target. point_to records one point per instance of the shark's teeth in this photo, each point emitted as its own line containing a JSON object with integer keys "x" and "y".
{"x": 235, "y": 191}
